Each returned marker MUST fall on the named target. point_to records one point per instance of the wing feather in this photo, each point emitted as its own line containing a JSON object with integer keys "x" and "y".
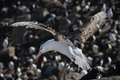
{"x": 57, "y": 35}
{"x": 96, "y": 22}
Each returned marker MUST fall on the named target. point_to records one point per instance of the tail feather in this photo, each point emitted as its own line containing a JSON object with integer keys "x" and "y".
{"x": 81, "y": 59}
{"x": 83, "y": 63}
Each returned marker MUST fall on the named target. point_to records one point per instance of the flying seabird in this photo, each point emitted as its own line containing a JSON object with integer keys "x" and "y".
{"x": 61, "y": 44}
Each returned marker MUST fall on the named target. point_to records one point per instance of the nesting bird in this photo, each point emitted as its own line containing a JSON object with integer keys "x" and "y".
{"x": 61, "y": 66}
{"x": 109, "y": 13}
{"x": 1, "y": 67}
{"x": 38, "y": 73}
{"x": 44, "y": 59}
{"x": 11, "y": 65}
{"x": 31, "y": 49}
{"x": 33, "y": 56}
{"x": 95, "y": 48}
{"x": 5, "y": 43}
{"x": 19, "y": 73}
{"x": 103, "y": 7}
{"x": 33, "y": 67}
{"x": 112, "y": 37}
{"x": 30, "y": 61}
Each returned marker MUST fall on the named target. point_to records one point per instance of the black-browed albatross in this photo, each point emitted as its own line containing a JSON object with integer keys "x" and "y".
{"x": 60, "y": 43}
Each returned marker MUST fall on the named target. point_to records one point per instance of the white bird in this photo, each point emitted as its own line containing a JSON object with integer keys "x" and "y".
{"x": 5, "y": 43}
{"x": 33, "y": 67}
{"x": 112, "y": 37}
{"x": 19, "y": 73}
{"x": 19, "y": 78}
{"x": 33, "y": 56}
{"x": 110, "y": 13}
{"x": 31, "y": 49}
{"x": 60, "y": 43}
{"x": 103, "y": 7}
{"x": 11, "y": 65}
{"x": 95, "y": 48}
{"x": 30, "y": 61}
{"x": 52, "y": 17}
{"x": 45, "y": 59}
{"x": 61, "y": 66}
{"x": 38, "y": 73}
{"x": 1, "y": 67}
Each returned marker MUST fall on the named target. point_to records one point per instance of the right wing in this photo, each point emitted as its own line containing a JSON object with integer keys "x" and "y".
{"x": 96, "y": 22}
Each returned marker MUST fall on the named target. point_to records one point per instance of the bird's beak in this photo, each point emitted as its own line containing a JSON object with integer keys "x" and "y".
{"x": 38, "y": 55}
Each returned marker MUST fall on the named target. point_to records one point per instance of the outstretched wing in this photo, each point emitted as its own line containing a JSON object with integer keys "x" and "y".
{"x": 34, "y": 25}
{"x": 100, "y": 18}
{"x": 57, "y": 35}
{"x": 96, "y": 22}
{"x": 18, "y": 24}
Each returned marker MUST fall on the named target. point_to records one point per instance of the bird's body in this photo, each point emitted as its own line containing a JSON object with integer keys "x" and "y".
{"x": 52, "y": 45}
{"x": 71, "y": 53}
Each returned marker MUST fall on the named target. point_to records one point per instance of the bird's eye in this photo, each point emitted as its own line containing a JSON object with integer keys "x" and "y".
{"x": 92, "y": 18}
{"x": 40, "y": 48}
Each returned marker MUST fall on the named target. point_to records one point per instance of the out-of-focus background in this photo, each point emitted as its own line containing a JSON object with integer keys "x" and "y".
{"x": 19, "y": 46}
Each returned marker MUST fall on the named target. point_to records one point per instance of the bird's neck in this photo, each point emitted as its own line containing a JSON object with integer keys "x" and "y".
{"x": 55, "y": 46}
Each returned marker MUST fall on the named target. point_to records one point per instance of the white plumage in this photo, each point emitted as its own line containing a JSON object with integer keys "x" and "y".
{"x": 72, "y": 53}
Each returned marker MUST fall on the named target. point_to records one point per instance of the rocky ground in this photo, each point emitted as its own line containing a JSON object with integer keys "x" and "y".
{"x": 102, "y": 49}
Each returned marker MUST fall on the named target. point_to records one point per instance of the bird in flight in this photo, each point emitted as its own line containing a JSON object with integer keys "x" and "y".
{"x": 63, "y": 45}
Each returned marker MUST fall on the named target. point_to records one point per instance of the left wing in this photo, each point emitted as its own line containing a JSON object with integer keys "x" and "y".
{"x": 57, "y": 35}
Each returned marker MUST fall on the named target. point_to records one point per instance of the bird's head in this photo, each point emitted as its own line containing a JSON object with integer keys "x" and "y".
{"x": 44, "y": 48}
